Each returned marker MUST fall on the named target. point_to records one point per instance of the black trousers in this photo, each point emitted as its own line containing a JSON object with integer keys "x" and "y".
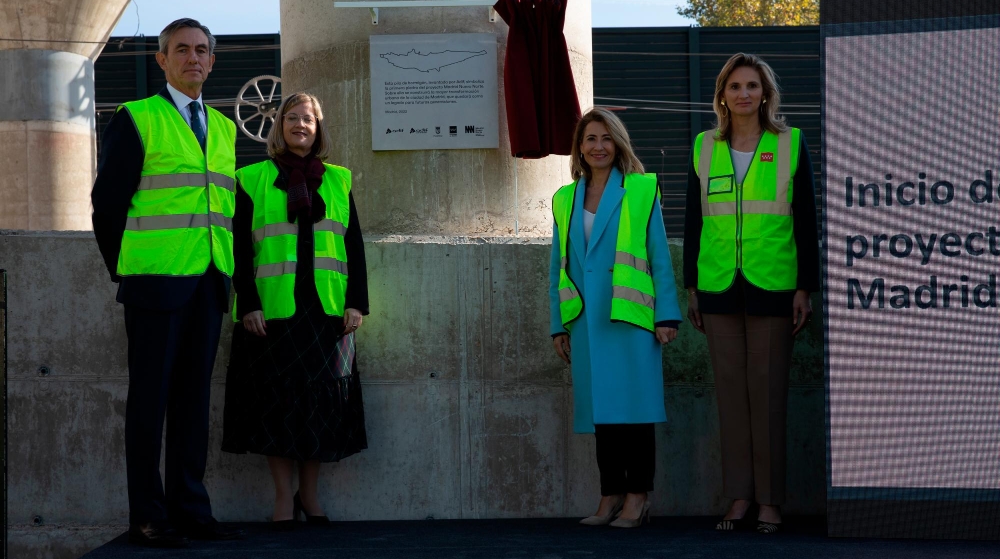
{"x": 170, "y": 359}
{"x": 626, "y": 456}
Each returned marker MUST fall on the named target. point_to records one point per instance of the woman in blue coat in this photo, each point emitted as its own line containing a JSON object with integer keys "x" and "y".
{"x": 613, "y": 303}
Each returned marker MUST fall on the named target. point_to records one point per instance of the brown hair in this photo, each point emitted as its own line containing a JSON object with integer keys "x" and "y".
{"x": 625, "y": 158}
{"x": 276, "y": 138}
{"x": 770, "y": 99}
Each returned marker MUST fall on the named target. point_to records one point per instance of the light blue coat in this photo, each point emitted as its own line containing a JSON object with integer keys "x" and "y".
{"x": 617, "y": 367}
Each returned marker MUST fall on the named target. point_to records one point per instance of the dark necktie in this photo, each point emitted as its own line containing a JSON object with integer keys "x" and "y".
{"x": 196, "y": 126}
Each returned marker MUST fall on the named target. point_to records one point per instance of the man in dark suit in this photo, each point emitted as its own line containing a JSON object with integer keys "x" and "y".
{"x": 163, "y": 207}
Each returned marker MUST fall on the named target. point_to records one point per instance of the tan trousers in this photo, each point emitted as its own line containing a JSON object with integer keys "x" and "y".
{"x": 751, "y": 356}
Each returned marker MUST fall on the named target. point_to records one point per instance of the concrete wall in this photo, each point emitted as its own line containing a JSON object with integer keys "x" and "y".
{"x": 468, "y": 408}
{"x": 47, "y": 109}
{"x": 477, "y": 192}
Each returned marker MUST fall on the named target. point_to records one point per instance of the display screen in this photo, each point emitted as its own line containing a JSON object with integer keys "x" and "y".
{"x": 911, "y": 147}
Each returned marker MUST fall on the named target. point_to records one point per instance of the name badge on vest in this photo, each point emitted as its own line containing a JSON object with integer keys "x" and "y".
{"x": 721, "y": 185}
{"x": 767, "y": 157}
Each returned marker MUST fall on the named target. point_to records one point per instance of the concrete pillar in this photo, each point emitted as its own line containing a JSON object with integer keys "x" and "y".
{"x": 324, "y": 50}
{"x": 47, "y": 135}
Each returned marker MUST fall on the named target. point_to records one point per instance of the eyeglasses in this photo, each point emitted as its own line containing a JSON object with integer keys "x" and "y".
{"x": 293, "y": 118}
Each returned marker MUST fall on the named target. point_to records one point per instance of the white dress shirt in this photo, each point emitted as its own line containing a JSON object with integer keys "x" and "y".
{"x": 182, "y": 101}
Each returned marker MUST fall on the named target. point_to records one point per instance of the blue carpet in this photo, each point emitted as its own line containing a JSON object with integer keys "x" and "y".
{"x": 680, "y": 538}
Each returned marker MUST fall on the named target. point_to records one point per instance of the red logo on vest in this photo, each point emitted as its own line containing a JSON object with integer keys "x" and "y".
{"x": 767, "y": 157}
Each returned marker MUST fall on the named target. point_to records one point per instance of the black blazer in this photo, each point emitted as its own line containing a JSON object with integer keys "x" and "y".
{"x": 118, "y": 175}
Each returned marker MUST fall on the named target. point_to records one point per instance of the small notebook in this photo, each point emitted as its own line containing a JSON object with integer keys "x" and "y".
{"x": 344, "y": 356}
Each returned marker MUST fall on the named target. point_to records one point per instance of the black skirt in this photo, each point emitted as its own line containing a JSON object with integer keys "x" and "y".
{"x": 284, "y": 394}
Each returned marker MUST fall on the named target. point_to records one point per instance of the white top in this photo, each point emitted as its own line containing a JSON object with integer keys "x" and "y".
{"x": 741, "y": 163}
{"x": 181, "y": 101}
{"x": 588, "y": 225}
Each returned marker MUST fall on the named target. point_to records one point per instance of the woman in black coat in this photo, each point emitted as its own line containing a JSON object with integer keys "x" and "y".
{"x": 292, "y": 389}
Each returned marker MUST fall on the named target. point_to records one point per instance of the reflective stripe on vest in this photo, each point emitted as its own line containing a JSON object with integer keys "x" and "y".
{"x": 747, "y": 226}
{"x": 285, "y": 228}
{"x": 570, "y": 302}
{"x": 179, "y": 221}
{"x": 288, "y": 267}
{"x": 275, "y": 241}
{"x": 632, "y": 296}
{"x": 181, "y": 216}
{"x": 154, "y": 182}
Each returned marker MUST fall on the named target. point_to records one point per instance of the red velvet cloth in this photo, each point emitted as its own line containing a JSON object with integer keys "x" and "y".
{"x": 542, "y": 106}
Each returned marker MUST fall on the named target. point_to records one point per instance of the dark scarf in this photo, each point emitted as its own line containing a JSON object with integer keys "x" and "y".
{"x": 305, "y": 174}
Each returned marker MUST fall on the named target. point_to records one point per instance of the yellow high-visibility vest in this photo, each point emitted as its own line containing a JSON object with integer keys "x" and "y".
{"x": 181, "y": 217}
{"x": 747, "y": 226}
{"x": 275, "y": 240}
{"x": 632, "y": 295}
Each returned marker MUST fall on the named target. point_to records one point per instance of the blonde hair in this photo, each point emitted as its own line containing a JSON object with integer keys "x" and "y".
{"x": 625, "y": 158}
{"x": 770, "y": 99}
{"x": 276, "y": 138}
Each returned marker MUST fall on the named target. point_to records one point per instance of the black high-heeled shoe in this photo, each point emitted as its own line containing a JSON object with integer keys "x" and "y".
{"x": 318, "y": 520}
{"x": 738, "y": 524}
{"x": 768, "y": 527}
{"x": 296, "y": 506}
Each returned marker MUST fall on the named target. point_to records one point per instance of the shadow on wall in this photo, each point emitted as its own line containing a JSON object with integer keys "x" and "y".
{"x": 81, "y": 94}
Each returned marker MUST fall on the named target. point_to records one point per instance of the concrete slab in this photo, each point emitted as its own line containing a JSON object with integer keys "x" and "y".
{"x": 468, "y": 408}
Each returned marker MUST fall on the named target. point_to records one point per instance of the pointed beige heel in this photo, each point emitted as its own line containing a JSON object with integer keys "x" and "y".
{"x": 633, "y": 522}
{"x": 604, "y": 520}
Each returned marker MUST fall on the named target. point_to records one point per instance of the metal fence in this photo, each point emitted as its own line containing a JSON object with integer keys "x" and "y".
{"x": 660, "y": 81}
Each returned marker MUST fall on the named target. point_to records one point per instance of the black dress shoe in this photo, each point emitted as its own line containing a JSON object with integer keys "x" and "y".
{"x": 318, "y": 520}
{"x": 211, "y": 529}
{"x": 156, "y": 534}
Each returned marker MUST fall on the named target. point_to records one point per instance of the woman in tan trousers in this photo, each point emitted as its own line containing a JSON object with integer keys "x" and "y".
{"x": 750, "y": 260}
